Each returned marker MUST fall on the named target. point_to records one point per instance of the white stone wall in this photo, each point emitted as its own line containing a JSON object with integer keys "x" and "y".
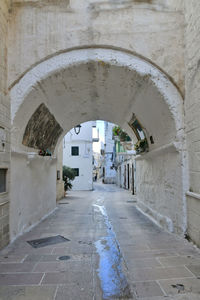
{"x": 110, "y": 173}
{"x": 4, "y": 124}
{"x": 159, "y": 182}
{"x": 192, "y": 111}
{"x": 59, "y": 167}
{"x": 125, "y": 160}
{"x": 42, "y": 28}
{"x": 33, "y": 190}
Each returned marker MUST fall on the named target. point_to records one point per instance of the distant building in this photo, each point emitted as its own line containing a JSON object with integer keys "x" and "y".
{"x": 125, "y": 166}
{"x": 78, "y": 154}
{"x": 126, "y": 150}
{"x": 109, "y": 172}
{"x": 97, "y": 166}
{"x": 59, "y": 174}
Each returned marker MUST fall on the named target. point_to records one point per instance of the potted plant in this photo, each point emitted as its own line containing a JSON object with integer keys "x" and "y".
{"x": 141, "y": 146}
{"x": 117, "y": 130}
{"x": 68, "y": 176}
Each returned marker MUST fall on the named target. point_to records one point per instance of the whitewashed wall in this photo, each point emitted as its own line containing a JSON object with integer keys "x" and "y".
{"x": 4, "y": 124}
{"x": 159, "y": 182}
{"x": 144, "y": 27}
{"x": 84, "y": 160}
{"x": 192, "y": 112}
{"x": 33, "y": 191}
{"x": 121, "y": 171}
{"x": 59, "y": 182}
{"x": 110, "y": 173}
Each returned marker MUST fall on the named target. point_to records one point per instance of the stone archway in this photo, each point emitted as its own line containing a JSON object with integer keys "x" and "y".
{"x": 90, "y": 84}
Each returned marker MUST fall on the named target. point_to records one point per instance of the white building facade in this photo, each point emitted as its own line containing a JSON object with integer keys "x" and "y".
{"x": 109, "y": 172}
{"x": 78, "y": 154}
{"x": 126, "y": 169}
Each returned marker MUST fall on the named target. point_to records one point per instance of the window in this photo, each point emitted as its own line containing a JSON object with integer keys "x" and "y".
{"x": 76, "y": 171}
{"x": 3, "y": 180}
{"x": 137, "y": 128}
{"x": 75, "y": 151}
{"x": 58, "y": 174}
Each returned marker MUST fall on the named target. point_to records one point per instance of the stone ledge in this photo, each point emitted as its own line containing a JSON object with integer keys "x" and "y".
{"x": 33, "y": 155}
{"x": 4, "y": 203}
{"x": 193, "y": 195}
{"x": 172, "y": 147}
{"x": 160, "y": 220}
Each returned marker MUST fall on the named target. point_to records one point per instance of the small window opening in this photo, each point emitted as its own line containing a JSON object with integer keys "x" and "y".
{"x": 58, "y": 174}
{"x": 151, "y": 139}
{"x": 76, "y": 171}
{"x": 75, "y": 151}
{"x": 3, "y": 180}
{"x": 142, "y": 143}
{"x": 138, "y": 130}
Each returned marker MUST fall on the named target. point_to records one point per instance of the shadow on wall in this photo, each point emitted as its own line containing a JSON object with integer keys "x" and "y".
{"x": 42, "y": 131}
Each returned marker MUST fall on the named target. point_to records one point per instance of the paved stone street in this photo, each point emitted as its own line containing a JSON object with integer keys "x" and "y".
{"x": 113, "y": 252}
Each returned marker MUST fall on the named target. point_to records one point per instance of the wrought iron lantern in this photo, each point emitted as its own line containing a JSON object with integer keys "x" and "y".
{"x": 77, "y": 129}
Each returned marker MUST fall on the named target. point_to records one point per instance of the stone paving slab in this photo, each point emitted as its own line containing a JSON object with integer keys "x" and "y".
{"x": 143, "y": 263}
{"x": 82, "y": 277}
{"x": 178, "y": 261}
{"x": 159, "y": 273}
{"x": 74, "y": 291}
{"x": 195, "y": 269}
{"x": 83, "y": 249}
{"x": 62, "y": 266}
{"x": 55, "y": 258}
{"x": 42, "y": 267}
{"x": 165, "y": 245}
{"x": 12, "y": 258}
{"x": 41, "y": 257}
{"x": 16, "y": 267}
{"x": 175, "y": 297}
{"x": 186, "y": 250}
{"x": 131, "y": 254}
{"x": 147, "y": 288}
{"x": 136, "y": 247}
{"x": 27, "y": 292}
{"x": 22, "y": 250}
{"x": 181, "y": 286}
{"x": 21, "y": 278}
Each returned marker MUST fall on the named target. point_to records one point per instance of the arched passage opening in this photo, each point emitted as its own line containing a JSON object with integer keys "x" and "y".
{"x": 92, "y": 84}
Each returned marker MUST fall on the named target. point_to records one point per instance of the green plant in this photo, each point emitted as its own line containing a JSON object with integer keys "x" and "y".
{"x": 117, "y": 131}
{"x": 123, "y": 136}
{"x": 44, "y": 153}
{"x": 68, "y": 176}
{"x": 141, "y": 146}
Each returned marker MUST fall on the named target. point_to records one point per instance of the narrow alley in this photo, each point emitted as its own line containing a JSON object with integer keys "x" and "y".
{"x": 110, "y": 251}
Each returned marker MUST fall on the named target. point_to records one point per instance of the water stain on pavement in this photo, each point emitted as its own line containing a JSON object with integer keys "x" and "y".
{"x": 113, "y": 281}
